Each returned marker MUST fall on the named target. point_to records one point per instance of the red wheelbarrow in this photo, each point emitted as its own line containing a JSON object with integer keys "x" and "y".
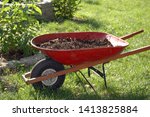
{"x": 50, "y": 72}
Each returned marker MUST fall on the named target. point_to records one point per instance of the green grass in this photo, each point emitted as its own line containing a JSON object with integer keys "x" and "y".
{"x": 127, "y": 78}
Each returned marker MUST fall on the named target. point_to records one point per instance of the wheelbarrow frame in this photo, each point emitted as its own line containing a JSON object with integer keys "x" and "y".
{"x": 27, "y": 76}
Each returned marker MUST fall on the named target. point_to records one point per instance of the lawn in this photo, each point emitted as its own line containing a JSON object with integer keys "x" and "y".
{"x": 127, "y": 78}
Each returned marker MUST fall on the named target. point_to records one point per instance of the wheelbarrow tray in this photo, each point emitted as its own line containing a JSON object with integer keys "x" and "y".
{"x": 78, "y": 56}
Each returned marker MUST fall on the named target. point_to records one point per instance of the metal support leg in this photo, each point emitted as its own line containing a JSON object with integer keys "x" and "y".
{"x": 96, "y": 71}
{"x": 89, "y": 72}
{"x": 99, "y": 73}
{"x": 104, "y": 74}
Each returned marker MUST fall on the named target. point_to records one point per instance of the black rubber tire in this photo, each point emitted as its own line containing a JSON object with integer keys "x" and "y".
{"x": 43, "y": 65}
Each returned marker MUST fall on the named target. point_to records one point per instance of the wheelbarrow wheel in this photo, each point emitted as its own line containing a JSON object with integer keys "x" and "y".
{"x": 45, "y": 67}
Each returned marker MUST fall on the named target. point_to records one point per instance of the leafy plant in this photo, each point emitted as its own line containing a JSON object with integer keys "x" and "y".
{"x": 65, "y": 9}
{"x": 17, "y": 27}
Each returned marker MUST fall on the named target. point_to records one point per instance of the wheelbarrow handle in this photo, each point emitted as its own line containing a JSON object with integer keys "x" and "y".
{"x": 131, "y": 35}
{"x": 26, "y": 76}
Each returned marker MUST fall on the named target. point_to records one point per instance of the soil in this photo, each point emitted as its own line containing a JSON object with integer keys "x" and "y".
{"x": 13, "y": 55}
{"x": 75, "y": 43}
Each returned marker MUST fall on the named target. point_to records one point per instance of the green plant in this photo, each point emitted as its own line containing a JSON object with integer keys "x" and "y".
{"x": 17, "y": 27}
{"x": 65, "y": 9}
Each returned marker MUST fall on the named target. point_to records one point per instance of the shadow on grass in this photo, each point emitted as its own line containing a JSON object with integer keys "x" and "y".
{"x": 133, "y": 94}
{"x": 88, "y": 21}
{"x": 93, "y": 2}
{"x": 91, "y": 22}
{"x": 65, "y": 94}
{"x": 108, "y": 94}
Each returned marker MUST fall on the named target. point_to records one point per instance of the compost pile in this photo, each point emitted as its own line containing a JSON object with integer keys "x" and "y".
{"x": 75, "y": 43}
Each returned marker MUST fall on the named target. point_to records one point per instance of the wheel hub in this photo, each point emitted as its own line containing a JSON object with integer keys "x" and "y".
{"x": 50, "y": 81}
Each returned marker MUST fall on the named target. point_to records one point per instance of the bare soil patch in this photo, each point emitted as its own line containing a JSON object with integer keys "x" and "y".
{"x": 13, "y": 55}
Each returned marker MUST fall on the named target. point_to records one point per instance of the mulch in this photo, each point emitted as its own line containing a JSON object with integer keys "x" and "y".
{"x": 70, "y": 43}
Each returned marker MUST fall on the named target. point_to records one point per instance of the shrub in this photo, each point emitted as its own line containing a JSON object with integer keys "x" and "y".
{"x": 65, "y": 9}
{"x": 17, "y": 27}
